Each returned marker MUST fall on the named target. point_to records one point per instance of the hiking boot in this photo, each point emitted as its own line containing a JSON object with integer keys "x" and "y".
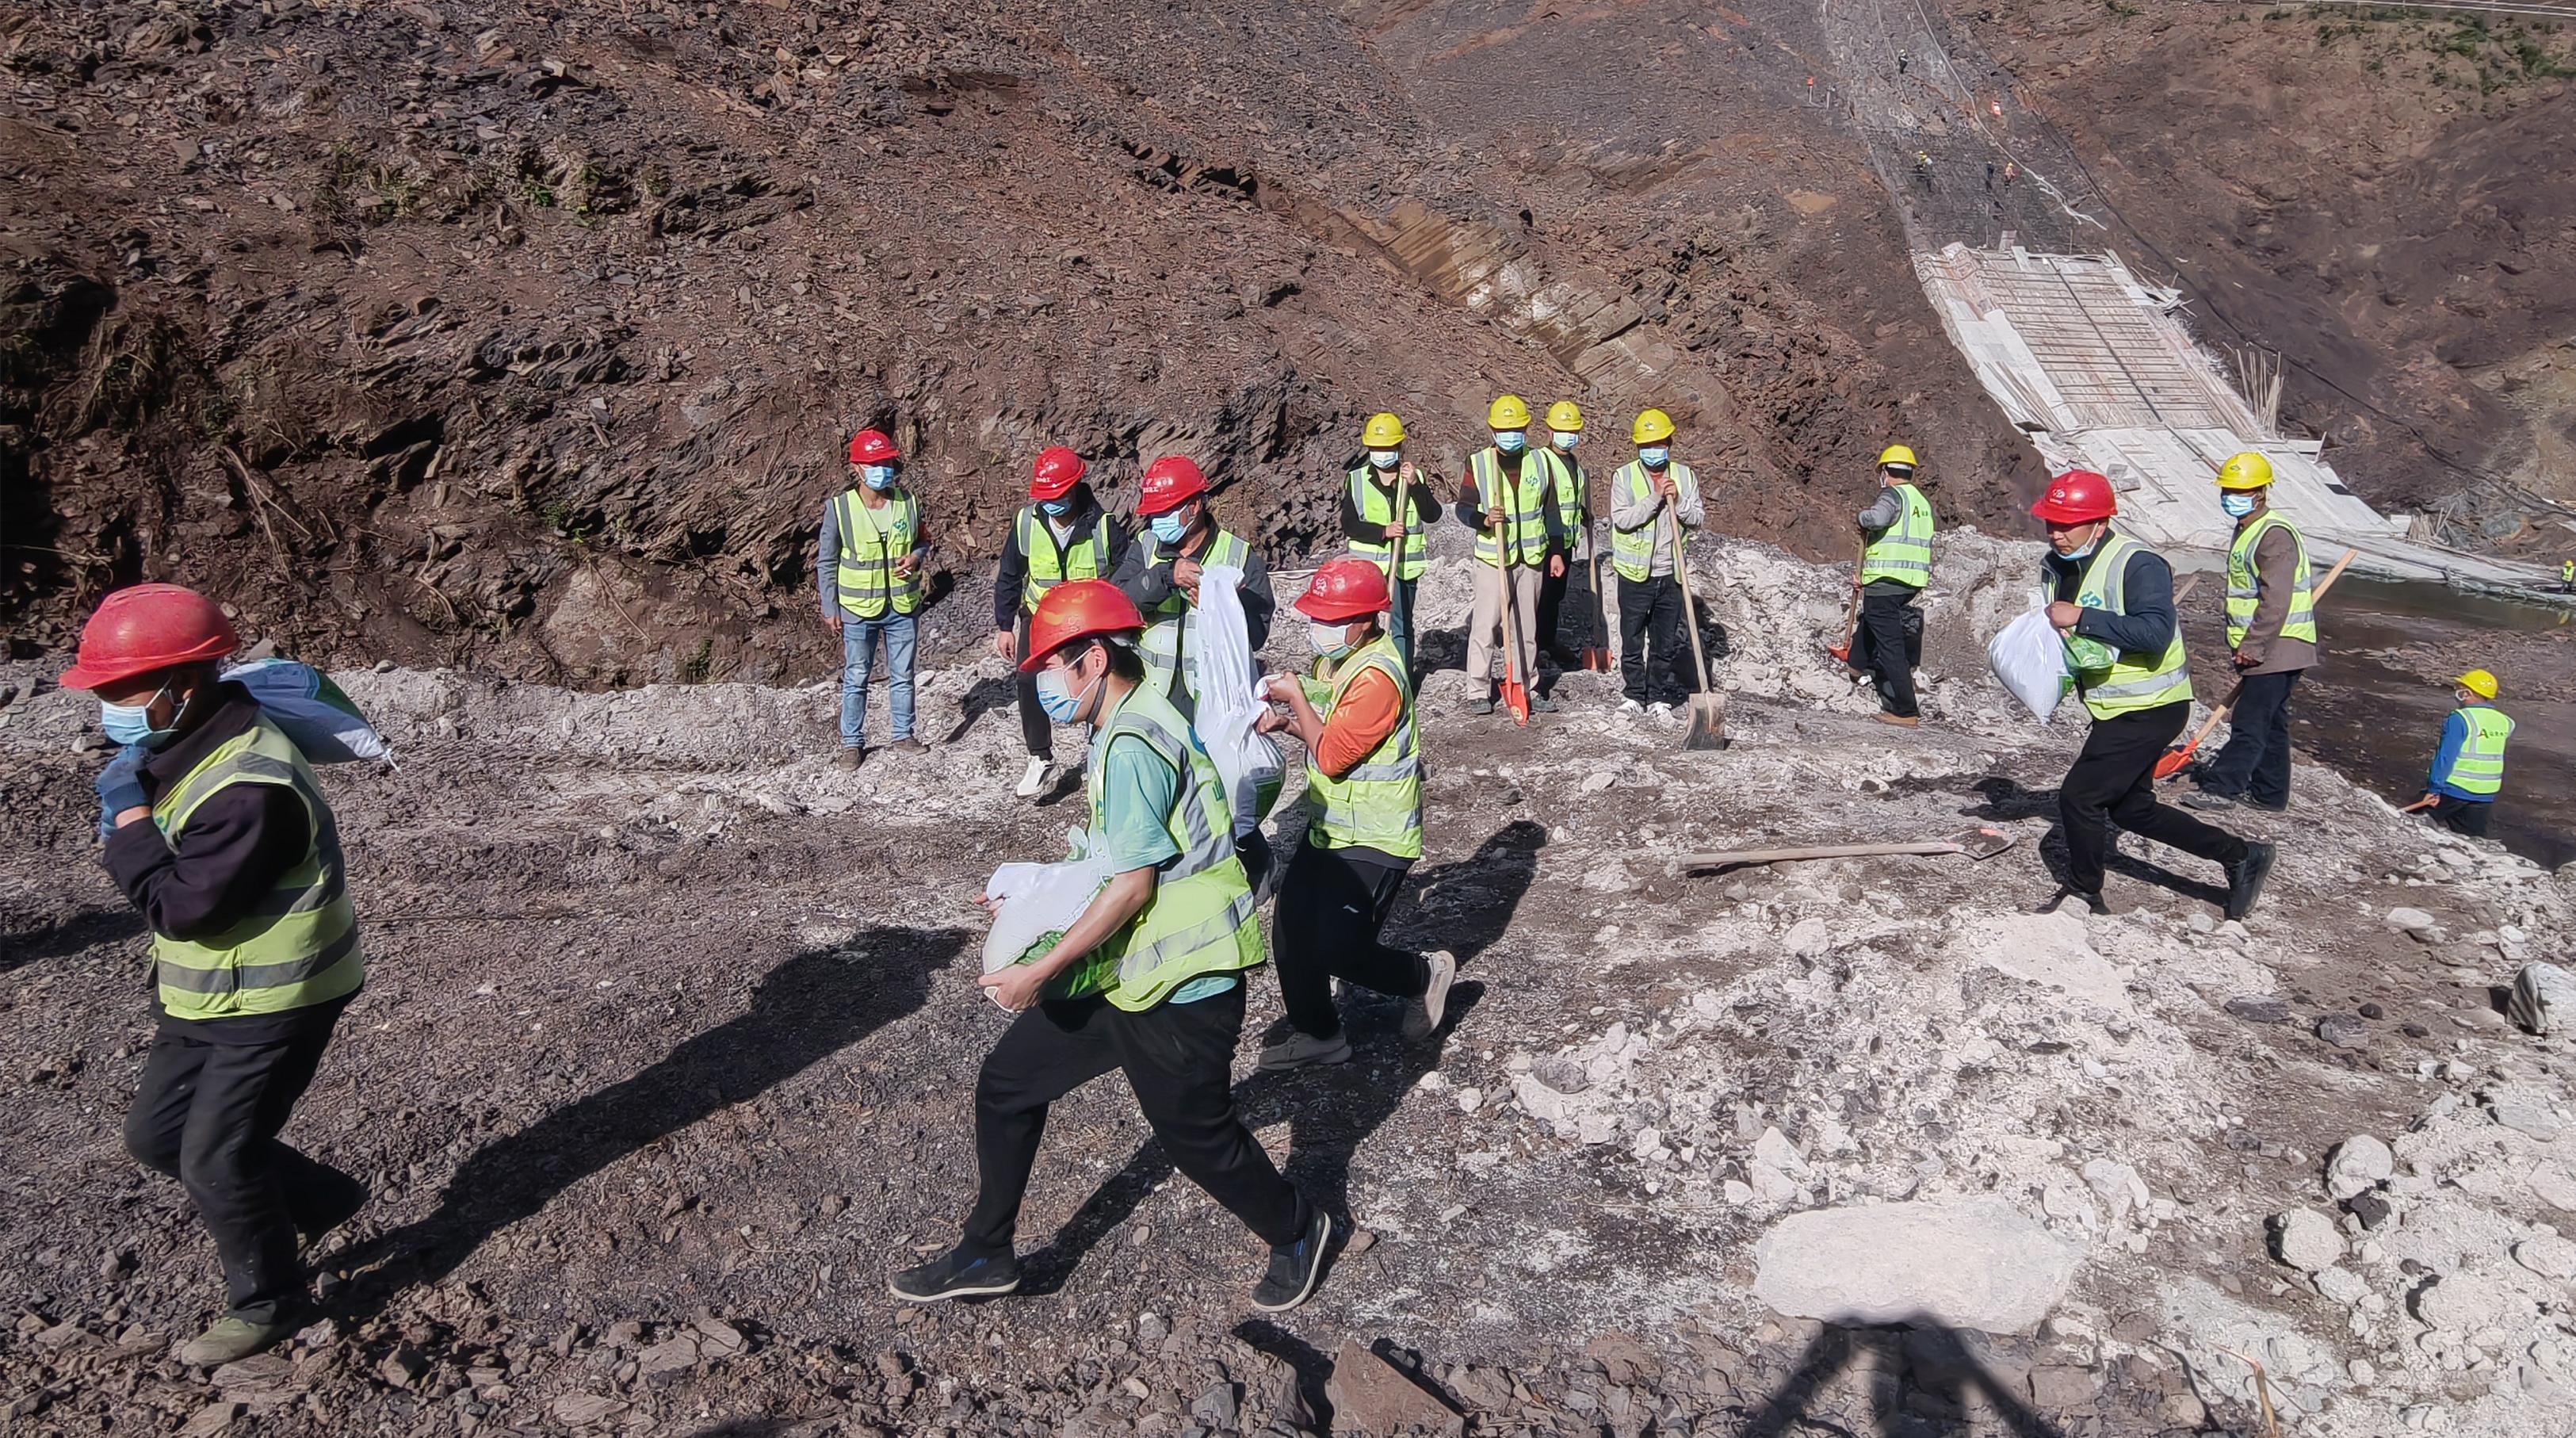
{"x": 848, "y": 758}
{"x": 1541, "y": 704}
{"x": 1481, "y": 706}
{"x": 2210, "y": 801}
{"x": 1901, "y": 721}
{"x": 909, "y": 745}
{"x": 2093, "y": 902}
{"x": 2245, "y": 879}
{"x": 1422, "y": 1017}
{"x": 1033, "y": 778}
{"x": 1299, "y": 1050}
{"x": 232, "y": 1339}
{"x": 1295, "y": 1268}
{"x": 953, "y": 1275}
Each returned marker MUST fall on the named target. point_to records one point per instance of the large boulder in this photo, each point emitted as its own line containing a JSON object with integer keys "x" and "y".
{"x": 1970, "y": 1263}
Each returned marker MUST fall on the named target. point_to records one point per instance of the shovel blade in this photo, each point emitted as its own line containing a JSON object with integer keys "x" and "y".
{"x": 1841, "y": 652}
{"x": 1982, "y": 843}
{"x": 2174, "y": 759}
{"x": 1707, "y": 723}
{"x": 1516, "y": 699}
{"x": 1596, "y": 659}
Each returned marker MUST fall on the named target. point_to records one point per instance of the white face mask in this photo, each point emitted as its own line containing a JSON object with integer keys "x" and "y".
{"x": 1057, "y": 697}
{"x": 1331, "y": 641}
{"x": 1385, "y": 458}
{"x": 1565, "y": 439}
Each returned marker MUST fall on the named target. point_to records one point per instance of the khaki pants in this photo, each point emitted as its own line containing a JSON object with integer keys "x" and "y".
{"x": 1484, "y": 662}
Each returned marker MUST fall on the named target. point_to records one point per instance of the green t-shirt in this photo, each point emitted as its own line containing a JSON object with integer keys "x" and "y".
{"x": 1137, "y": 791}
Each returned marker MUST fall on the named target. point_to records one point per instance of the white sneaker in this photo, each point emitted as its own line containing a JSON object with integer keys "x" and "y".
{"x": 1660, "y": 711}
{"x": 1422, "y": 1017}
{"x": 1033, "y": 782}
{"x": 1631, "y": 706}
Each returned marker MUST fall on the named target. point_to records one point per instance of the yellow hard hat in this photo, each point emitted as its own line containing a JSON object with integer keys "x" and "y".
{"x": 1565, "y": 417}
{"x": 1896, "y": 454}
{"x": 2245, "y": 471}
{"x": 1653, "y": 425}
{"x": 2478, "y": 682}
{"x": 1384, "y": 431}
{"x": 1509, "y": 412}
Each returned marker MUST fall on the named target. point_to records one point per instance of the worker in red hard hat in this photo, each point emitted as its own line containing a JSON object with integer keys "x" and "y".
{"x": 1149, "y": 979}
{"x": 868, "y": 564}
{"x": 1364, "y": 777}
{"x": 1061, "y": 534}
{"x": 220, "y": 837}
{"x": 1179, "y": 542}
{"x": 2111, "y": 599}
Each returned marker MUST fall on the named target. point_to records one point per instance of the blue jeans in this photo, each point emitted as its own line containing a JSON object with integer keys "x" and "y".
{"x": 858, "y": 656}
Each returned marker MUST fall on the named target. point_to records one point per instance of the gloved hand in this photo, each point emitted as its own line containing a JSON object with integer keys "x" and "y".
{"x": 120, "y": 786}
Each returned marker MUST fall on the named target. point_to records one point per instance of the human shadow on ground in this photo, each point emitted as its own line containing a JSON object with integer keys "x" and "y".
{"x": 804, "y": 1010}
{"x": 983, "y": 698}
{"x": 2007, "y": 801}
{"x": 1333, "y": 1110}
{"x": 1922, "y": 1352}
{"x": 81, "y": 931}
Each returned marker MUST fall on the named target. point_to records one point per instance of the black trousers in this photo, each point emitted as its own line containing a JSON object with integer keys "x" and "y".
{"x": 1178, "y": 1059}
{"x": 208, "y": 1115}
{"x": 1650, "y": 619}
{"x": 2461, "y": 816}
{"x": 1887, "y": 645}
{"x": 2256, "y": 760}
{"x": 2114, "y": 781}
{"x": 1332, "y": 906}
{"x": 1036, "y": 730}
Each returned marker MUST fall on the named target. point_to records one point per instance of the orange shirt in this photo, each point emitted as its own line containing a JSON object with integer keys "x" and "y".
{"x": 1369, "y": 711}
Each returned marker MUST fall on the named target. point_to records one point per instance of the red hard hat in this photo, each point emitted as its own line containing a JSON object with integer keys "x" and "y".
{"x": 1169, "y": 481}
{"x": 1344, "y": 589}
{"x": 1078, "y": 609}
{"x": 1058, "y": 470}
{"x": 870, "y": 446}
{"x": 149, "y": 627}
{"x": 2078, "y": 496}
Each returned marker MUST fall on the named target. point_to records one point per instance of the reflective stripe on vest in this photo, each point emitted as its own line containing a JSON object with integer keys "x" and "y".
{"x": 1378, "y": 804}
{"x": 1050, "y": 564}
{"x": 1568, "y": 485}
{"x": 2245, "y": 588}
{"x": 1376, "y": 504}
{"x": 2479, "y": 766}
{"x": 866, "y": 576}
{"x": 299, "y": 945}
{"x": 1903, "y": 550}
{"x": 1172, "y": 621}
{"x": 1524, "y": 508}
{"x": 1632, "y": 551}
{"x": 1200, "y": 920}
{"x": 2117, "y": 681}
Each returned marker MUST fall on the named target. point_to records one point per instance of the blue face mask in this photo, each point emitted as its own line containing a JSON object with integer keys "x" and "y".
{"x": 878, "y": 476}
{"x": 2237, "y": 505}
{"x": 1385, "y": 458}
{"x": 1655, "y": 456}
{"x": 132, "y": 723}
{"x": 1169, "y": 527}
{"x": 1330, "y": 641}
{"x": 2086, "y": 550}
{"x": 1061, "y": 704}
{"x": 1566, "y": 439}
{"x": 1510, "y": 441}
{"x": 1059, "y": 508}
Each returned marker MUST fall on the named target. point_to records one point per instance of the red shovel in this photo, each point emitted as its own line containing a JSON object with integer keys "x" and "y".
{"x": 2174, "y": 760}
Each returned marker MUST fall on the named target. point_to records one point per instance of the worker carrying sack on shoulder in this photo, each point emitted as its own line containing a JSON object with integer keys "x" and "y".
{"x": 1230, "y": 703}
{"x": 321, "y": 720}
{"x": 2030, "y": 659}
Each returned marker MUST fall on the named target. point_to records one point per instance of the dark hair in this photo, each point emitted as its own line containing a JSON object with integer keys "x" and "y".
{"x": 1124, "y": 661}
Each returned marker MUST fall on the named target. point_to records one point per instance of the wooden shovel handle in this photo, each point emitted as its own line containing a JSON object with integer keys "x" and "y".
{"x": 2315, "y": 594}
{"x": 1828, "y": 851}
{"x": 1690, "y": 607}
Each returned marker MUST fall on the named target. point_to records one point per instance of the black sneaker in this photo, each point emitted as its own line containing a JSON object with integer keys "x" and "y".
{"x": 1295, "y": 1268}
{"x": 1481, "y": 706}
{"x": 953, "y": 1275}
{"x": 2210, "y": 801}
{"x": 2092, "y": 901}
{"x": 2245, "y": 879}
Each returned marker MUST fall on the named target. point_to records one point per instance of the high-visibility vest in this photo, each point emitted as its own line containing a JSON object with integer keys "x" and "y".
{"x": 1632, "y": 551}
{"x": 1903, "y": 550}
{"x": 1172, "y": 622}
{"x": 299, "y": 945}
{"x": 1051, "y": 564}
{"x": 1376, "y": 504}
{"x": 1378, "y": 805}
{"x": 1201, "y": 918}
{"x": 1570, "y": 482}
{"x": 2119, "y": 681}
{"x": 1523, "y": 503}
{"x": 2479, "y": 766}
{"x": 871, "y": 541}
{"x": 2245, "y": 589}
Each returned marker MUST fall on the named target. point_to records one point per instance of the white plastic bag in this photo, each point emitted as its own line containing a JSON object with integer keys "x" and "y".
{"x": 1229, "y": 701}
{"x": 1032, "y": 901}
{"x": 2031, "y": 661}
{"x": 302, "y": 700}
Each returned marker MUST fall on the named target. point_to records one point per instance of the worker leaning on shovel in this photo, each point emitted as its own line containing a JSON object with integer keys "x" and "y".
{"x": 1148, "y": 981}
{"x": 1509, "y": 500}
{"x": 1388, "y": 502}
{"x": 1896, "y": 564}
{"x": 220, "y": 837}
{"x": 1653, "y": 501}
{"x": 2111, "y": 600}
{"x": 2272, "y": 629}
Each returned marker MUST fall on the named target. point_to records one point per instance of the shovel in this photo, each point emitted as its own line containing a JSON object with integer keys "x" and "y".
{"x": 1707, "y": 711}
{"x": 1515, "y": 683}
{"x": 1596, "y": 654}
{"x": 1851, "y": 612}
{"x": 2174, "y": 760}
{"x": 1979, "y": 843}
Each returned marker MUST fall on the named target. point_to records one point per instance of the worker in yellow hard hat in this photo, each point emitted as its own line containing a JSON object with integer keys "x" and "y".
{"x": 1895, "y": 565}
{"x": 1386, "y": 502}
{"x": 2272, "y": 626}
{"x": 1654, "y": 503}
{"x": 2468, "y": 768}
{"x": 1509, "y": 501}
{"x": 1572, "y": 488}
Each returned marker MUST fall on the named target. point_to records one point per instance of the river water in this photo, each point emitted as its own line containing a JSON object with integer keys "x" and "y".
{"x": 2374, "y": 707}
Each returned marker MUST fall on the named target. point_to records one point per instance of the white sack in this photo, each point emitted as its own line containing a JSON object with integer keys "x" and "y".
{"x": 302, "y": 700}
{"x": 1229, "y": 700}
{"x": 1031, "y": 901}
{"x": 2030, "y": 659}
